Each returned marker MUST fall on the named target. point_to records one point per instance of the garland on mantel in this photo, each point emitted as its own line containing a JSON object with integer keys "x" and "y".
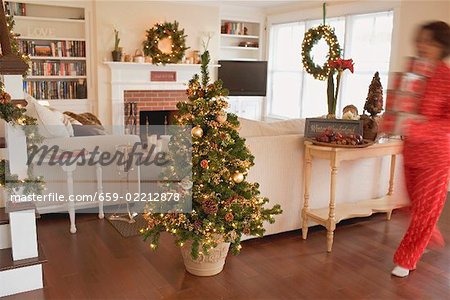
{"x": 162, "y": 31}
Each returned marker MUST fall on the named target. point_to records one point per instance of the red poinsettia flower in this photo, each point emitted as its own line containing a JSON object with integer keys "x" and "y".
{"x": 342, "y": 64}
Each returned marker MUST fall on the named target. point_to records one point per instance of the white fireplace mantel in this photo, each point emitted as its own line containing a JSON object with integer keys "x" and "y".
{"x": 127, "y": 76}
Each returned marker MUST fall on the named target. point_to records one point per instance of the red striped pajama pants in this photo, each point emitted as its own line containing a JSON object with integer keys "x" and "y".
{"x": 427, "y": 189}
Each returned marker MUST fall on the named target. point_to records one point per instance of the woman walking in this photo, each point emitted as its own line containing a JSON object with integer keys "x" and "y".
{"x": 427, "y": 151}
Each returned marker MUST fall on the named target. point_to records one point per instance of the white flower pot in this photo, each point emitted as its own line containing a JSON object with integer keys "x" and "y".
{"x": 205, "y": 265}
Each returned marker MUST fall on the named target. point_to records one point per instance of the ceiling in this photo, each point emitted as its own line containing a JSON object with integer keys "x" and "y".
{"x": 245, "y": 3}
{"x": 259, "y": 4}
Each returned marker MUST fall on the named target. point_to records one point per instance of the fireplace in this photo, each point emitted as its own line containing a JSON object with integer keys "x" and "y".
{"x": 157, "y": 117}
{"x": 155, "y": 107}
{"x": 132, "y": 83}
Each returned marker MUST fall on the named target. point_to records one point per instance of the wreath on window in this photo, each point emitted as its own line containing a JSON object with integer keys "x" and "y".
{"x": 165, "y": 43}
{"x": 312, "y": 36}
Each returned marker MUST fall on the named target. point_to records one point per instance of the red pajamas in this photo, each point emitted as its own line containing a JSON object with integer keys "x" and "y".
{"x": 429, "y": 191}
{"x": 427, "y": 165}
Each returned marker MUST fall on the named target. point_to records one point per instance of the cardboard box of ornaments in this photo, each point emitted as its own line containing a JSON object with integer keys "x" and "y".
{"x": 403, "y": 97}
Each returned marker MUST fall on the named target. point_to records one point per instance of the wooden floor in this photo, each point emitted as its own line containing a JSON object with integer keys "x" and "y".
{"x": 98, "y": 263}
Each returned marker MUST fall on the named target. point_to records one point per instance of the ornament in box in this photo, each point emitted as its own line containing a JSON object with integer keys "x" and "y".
{"x": 403, "y": 101}
{"x": 406, "y": 102}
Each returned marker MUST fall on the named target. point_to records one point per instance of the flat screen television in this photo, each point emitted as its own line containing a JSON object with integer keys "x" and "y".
{"x": 244, "y": 78}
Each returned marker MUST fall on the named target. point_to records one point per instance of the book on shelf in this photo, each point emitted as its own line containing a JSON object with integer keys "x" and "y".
{"x": 55, "y": 49}
{"x": 43, "y": 50}
{"x": 58, "y": 89}
{"x": 15, "y": 9}
{"x": 49, "y": 68}
{"x": 236, "y": 28}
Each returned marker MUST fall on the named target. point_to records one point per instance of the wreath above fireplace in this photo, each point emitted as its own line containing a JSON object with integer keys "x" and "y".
{"x": 165, "y": 43}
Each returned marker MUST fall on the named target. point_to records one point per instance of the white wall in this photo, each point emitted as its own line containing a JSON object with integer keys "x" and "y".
{"x": 411, "y": 15}
{"x": 132, "y": 18}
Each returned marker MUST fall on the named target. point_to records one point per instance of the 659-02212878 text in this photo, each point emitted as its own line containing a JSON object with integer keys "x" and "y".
{"x": 140, "y": 197}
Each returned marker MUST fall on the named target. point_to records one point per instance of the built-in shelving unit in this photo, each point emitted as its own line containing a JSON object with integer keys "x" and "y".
{"x": 240, "y": 40}
{"x": 55, "y": 37}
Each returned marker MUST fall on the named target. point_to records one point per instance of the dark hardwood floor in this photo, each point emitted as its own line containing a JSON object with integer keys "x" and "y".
{"x": 98, "y": 263}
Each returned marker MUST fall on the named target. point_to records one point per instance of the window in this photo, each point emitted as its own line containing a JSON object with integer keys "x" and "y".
{"x": 296, "y": 94}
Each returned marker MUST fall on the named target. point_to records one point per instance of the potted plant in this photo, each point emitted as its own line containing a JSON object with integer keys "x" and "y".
{"x": 339, "y": 65}
{"x": 117, "y": 52}
{"x": 224, "y": 205}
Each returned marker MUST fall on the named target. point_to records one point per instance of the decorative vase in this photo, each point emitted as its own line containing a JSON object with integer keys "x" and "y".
{"x": 370, "y": 127}
{"x": 116, "y": 55}
{"x": 206, "y": 264}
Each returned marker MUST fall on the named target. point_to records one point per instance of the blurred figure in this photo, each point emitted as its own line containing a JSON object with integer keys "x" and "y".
{"x": 427, "y": 151}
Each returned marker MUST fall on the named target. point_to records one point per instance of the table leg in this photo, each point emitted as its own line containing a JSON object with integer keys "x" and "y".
{"x": 307, "y": 183}
{"x": 73, "y": 228}
{"x": 331, "y": 224}
{"x": 98, "y": 169}
{"x": 391, "y": 183}
{"x": 392, "y": 175}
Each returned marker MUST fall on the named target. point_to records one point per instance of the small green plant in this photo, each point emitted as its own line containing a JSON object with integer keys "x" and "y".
{"x": 116, "y": 40}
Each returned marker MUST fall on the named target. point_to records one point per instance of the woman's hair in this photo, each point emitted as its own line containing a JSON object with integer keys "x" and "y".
{"x": 441, "y": 34}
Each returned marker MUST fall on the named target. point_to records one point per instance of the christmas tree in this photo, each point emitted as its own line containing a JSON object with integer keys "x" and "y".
{"x": 224, "y": 205}
{"x": 373, "y": 105}
{"x": 374, "y": 100}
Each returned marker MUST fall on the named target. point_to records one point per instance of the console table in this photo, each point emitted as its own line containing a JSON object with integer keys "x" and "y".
{"x": 331, "y": 215}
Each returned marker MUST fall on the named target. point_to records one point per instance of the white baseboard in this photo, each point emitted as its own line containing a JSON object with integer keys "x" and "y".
{"x": 21, "y": 280}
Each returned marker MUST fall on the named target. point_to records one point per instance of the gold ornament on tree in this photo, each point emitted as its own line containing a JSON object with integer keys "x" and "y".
{"x": 238, "y": 177}
{"x": 221, "y": 117}
{"x": 197, "y": 132}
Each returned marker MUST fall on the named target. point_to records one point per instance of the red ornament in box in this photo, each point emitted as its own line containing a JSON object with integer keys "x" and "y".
{"x": 395, "y": 122}
{"x": 421, "y": 66}
{"x": 403, "y": 100}
{"x": 406, "y": 102}
{"x": 412, "y": 83}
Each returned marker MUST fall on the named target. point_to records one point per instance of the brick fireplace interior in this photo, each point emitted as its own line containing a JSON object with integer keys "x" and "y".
{"x": 153, "y": 107}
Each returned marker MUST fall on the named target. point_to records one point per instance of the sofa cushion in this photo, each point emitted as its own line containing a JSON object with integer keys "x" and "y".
{"x": 88, "y": 130}
{"x": 250, "y": 128}
{"x": 50, "y": 123}
{"x": 84, "y": 118}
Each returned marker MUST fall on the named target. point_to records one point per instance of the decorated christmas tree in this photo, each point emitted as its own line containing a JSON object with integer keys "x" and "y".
{"x": 224, "y": 205}
{"x": 374, "y": 100}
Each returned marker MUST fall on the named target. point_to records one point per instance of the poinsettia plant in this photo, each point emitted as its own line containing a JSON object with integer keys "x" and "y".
{"x": 337, "y": 66}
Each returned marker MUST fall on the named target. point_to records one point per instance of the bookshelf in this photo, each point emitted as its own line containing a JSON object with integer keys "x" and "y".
{"x": 240, "y": 40}
{"x": 55, "y": 37}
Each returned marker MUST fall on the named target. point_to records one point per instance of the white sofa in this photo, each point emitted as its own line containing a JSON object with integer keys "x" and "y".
{"x": 278, "y": 150}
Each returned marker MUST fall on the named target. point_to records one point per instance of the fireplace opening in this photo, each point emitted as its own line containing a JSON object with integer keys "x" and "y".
{"x": 159, "y": 117}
